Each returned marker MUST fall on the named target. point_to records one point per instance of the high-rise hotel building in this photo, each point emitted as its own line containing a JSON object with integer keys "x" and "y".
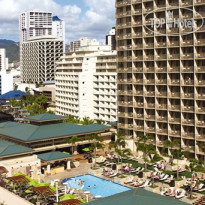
{"x": 86, "y": 83}
{"x": 161, "y": 71}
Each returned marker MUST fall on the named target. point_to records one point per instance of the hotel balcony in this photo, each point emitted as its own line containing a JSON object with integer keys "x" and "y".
{"x": 202, "y": 28}
{"x": 148, "y": 9}
{"x": 173, "y": 44}
{"x": 162, "y": 131}
{"x": 161, "y": 82}
{"x": 200, "y": 96}
{"x": 137, "y": 34}
{"x": 137, "y": 23}
{"x": 150, "y": 117}
{"x": 187, "y": 135}
{"x": 124, "y": 81}
{"x": 137, "y": 70}
{"x": 125, "y": 126}
{"x": 161, "y": 57}
{"x": 185, "y": 3}
{"x": 175, "y": 133}
{"x": 148, "y": 57}
{"x": 161, "y": 106}
{"x": 125, "y": 114}
{"x": 200, "y": 41}
{"x": 188, "y": 148}
{"x": 123, "y": 3}
{"x": 137, "y": 46}
{"x": 172, "y": 3}
{"x": 139, "y": 105}
{"x": 149, "y": 93}
{"x": 188, "y": 69}
{"x": 174, "y": 82}
{"x": 188, "y": 122}
{"x": 199, "y": 2}
{"x": 149, "y": 82}
{"x": 138, "y": 128}
{"x": 138, "y": 92}
{"x": 187, "y": 82}
{"x": 161, "y": 70}
{"x": 187, "y": 43}
{"x": 173, "y": 69}
{"x": 160, "y": 44}
{"x": 124, "y": 70}
{"x": 162, "y": 118}
{"x": 200, "y": 82}
{"x": 200, "y": 69}
{"x": 187, "y": 56}
{"x": 174, "y": 120}
{"x": 187, "y": 95}
{"x": 137, "y": 81}
{"x": 188, "y": 108}
{"x": 138, "y": 116}
{"x": 200, "y": 137}
{"x": 137, "y": 58}
{"x": 173, "y": 56}
{"x": 149, "y": 70}
{"x": 159, "y": 143}
{"x": 200, "y": 123}
{"x": 136, "y": 1}
{"x": 161, "y": 94}
{"x": 200, "y": 110}
{"x": 149, "y": 105}
{"x": 150, "y": 129}
{"x": 174, "y": 107}
{"x": 149, "y": 45}
{"x": 124, "y": 103}
{"x": 200, "y": 55}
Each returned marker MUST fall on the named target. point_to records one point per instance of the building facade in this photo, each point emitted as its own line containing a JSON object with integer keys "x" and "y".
{"x": 83, "y": 41}
{"x": 6, "y": 79}
{"x": 35, "y": 23}
{"x": 58, "y": 28}
{"x": 111, "y": 39}
{"x": 38, "y": 58}
{"x": 161, "y": 72}
{"x": 86, "y": 83}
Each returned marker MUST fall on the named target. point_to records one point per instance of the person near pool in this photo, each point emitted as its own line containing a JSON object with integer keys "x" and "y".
{"x": 88, "y": 187}
{"x": 94, "y": 186}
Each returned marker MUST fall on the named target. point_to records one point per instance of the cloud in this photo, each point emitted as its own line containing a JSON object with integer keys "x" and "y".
{"x": 93, "y": 23}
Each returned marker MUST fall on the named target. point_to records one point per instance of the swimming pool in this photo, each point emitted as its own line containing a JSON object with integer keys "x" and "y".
{"x": 98, "y": 186}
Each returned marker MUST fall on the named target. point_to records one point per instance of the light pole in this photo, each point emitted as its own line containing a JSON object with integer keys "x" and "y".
{"x": 56, "y": 181}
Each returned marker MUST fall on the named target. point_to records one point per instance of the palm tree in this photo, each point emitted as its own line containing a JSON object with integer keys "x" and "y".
{"x": 72, "y": 141}
{"x": 146, "y": 148}
{"x": 170, "y": 145}
{"x": 87, "y": 121}
{"x": 96, "y": 140}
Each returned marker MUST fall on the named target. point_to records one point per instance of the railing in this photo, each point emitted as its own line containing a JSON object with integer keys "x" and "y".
{"x": 174, "y": 107}
{"x": 174, "y": 120}
{"x": 200, "y": 69}
{"x": 161, "y": 106}
{"x": 175, "y": 133}
{"x": 139, "y": 104}
{"x": 188, "y": 108}
{"x": 138, "y": 92}
{"x": 188, "y": 69}
{"x": 188, "y": 121}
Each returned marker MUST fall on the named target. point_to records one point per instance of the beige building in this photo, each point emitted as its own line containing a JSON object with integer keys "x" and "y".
{"x": 38, "y": 57}
{"x": 161, "y": 75}
{"x": 86, "y": 83}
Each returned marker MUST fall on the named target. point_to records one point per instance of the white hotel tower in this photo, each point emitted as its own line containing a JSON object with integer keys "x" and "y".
{"x": 86, "y": 83}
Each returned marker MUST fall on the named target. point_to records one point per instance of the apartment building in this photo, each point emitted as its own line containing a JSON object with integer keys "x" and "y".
{"x": 38, "y": 58}
{"x": 111, "y": 39}
{"x": 86, "y": 83}
{"x": 161, "y": 79}
{"x": 3, "y": 59}
{"x": 40, "y": 23}
{"x": 83, "y": 41}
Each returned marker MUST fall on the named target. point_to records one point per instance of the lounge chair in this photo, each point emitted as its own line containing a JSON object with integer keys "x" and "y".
{"x": 164, "y": 178}
{"x": 145, "y": 184}
{"x": 130, "y": 180}
{"x": 169, "y": 179}
{"x": 157, "y": 170}
{"x": 199, "y": 188}
{"x": 181, "y": 195}
{"x": 139, "y": 183}
{"x": 135, "y": 170}
{"x": 113, "y": 175}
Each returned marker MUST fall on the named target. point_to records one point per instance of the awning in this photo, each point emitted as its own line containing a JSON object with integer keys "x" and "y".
{"x": 53, "y": 156}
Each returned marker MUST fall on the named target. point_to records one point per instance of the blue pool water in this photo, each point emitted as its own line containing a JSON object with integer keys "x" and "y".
{"x": 103, "y": 187}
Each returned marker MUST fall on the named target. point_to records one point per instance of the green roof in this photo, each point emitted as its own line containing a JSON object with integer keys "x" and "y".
{"x": 9, "y": 148}
{"x": 45, "y": 117}
{"x": 53, "y": 156}
{"x": 137, "y": 196}
{"x": 30, "y": 132}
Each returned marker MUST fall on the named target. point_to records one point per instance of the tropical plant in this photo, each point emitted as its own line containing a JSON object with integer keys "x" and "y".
{"x": 170, "y": 145}
{"x": 72, "y": 141}
{"x": 96, "y": 141}
{"x": 145, "y": 147}
{"x": 87, "y": 121}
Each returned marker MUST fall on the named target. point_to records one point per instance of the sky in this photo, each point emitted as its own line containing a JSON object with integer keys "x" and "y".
{"x": 90, "y": 18}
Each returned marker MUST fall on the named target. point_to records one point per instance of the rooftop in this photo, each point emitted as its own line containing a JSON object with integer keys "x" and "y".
{"x": 30, "y": 132}
{"x": 53, "y": 156}
{"x": 45, "y": 117}
{"x": 141, "y": 196}
{"x": 9, "y": 148}
{"x": 14, "y": 94}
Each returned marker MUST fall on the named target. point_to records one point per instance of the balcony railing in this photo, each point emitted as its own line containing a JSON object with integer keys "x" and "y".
{"x": 161, "y": 82}
{"x": 200, "y": 123}
{"x": 174, "y": 82}
{"x": 162, "y": 131}
{"x": 139, "y": 127}
{"x": 174, "y": 120}
{"x": 149, "y": 69}
{"x": 187, "y": 95}
{"x": 161, "y": 118}
{"x": 150, "y": 93}
{"x": 149, "y": 117}
{"x": 149, "y": 105}
{"x": 149, "y": 82}
{"x": 138, "y": 92}
{"x": 188, "y": 121}
{"x": 161, "y": 94}
{"x": 174, "y": 133}
{"x": 161, "y": 70}
{"x": 174, "y": 107}
{"x": 200, "y": 109}
{"x": 138, "y": 116}
{"x": 137, "y": 69}
{"x": 200, "y": 96}
{"x": 200, "y": 82}
{"x": 161, "y": 106}
{"x": 189, "y": 69}
{"x": 138, "y": 104}
{"x": 173, "y": 69}
{"x": 200, "y": 69}
{"x": 188, "y": 108}
{"x": 199, "y": 1}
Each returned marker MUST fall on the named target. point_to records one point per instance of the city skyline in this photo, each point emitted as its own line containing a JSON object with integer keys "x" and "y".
{"x": 76, "y": 14}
